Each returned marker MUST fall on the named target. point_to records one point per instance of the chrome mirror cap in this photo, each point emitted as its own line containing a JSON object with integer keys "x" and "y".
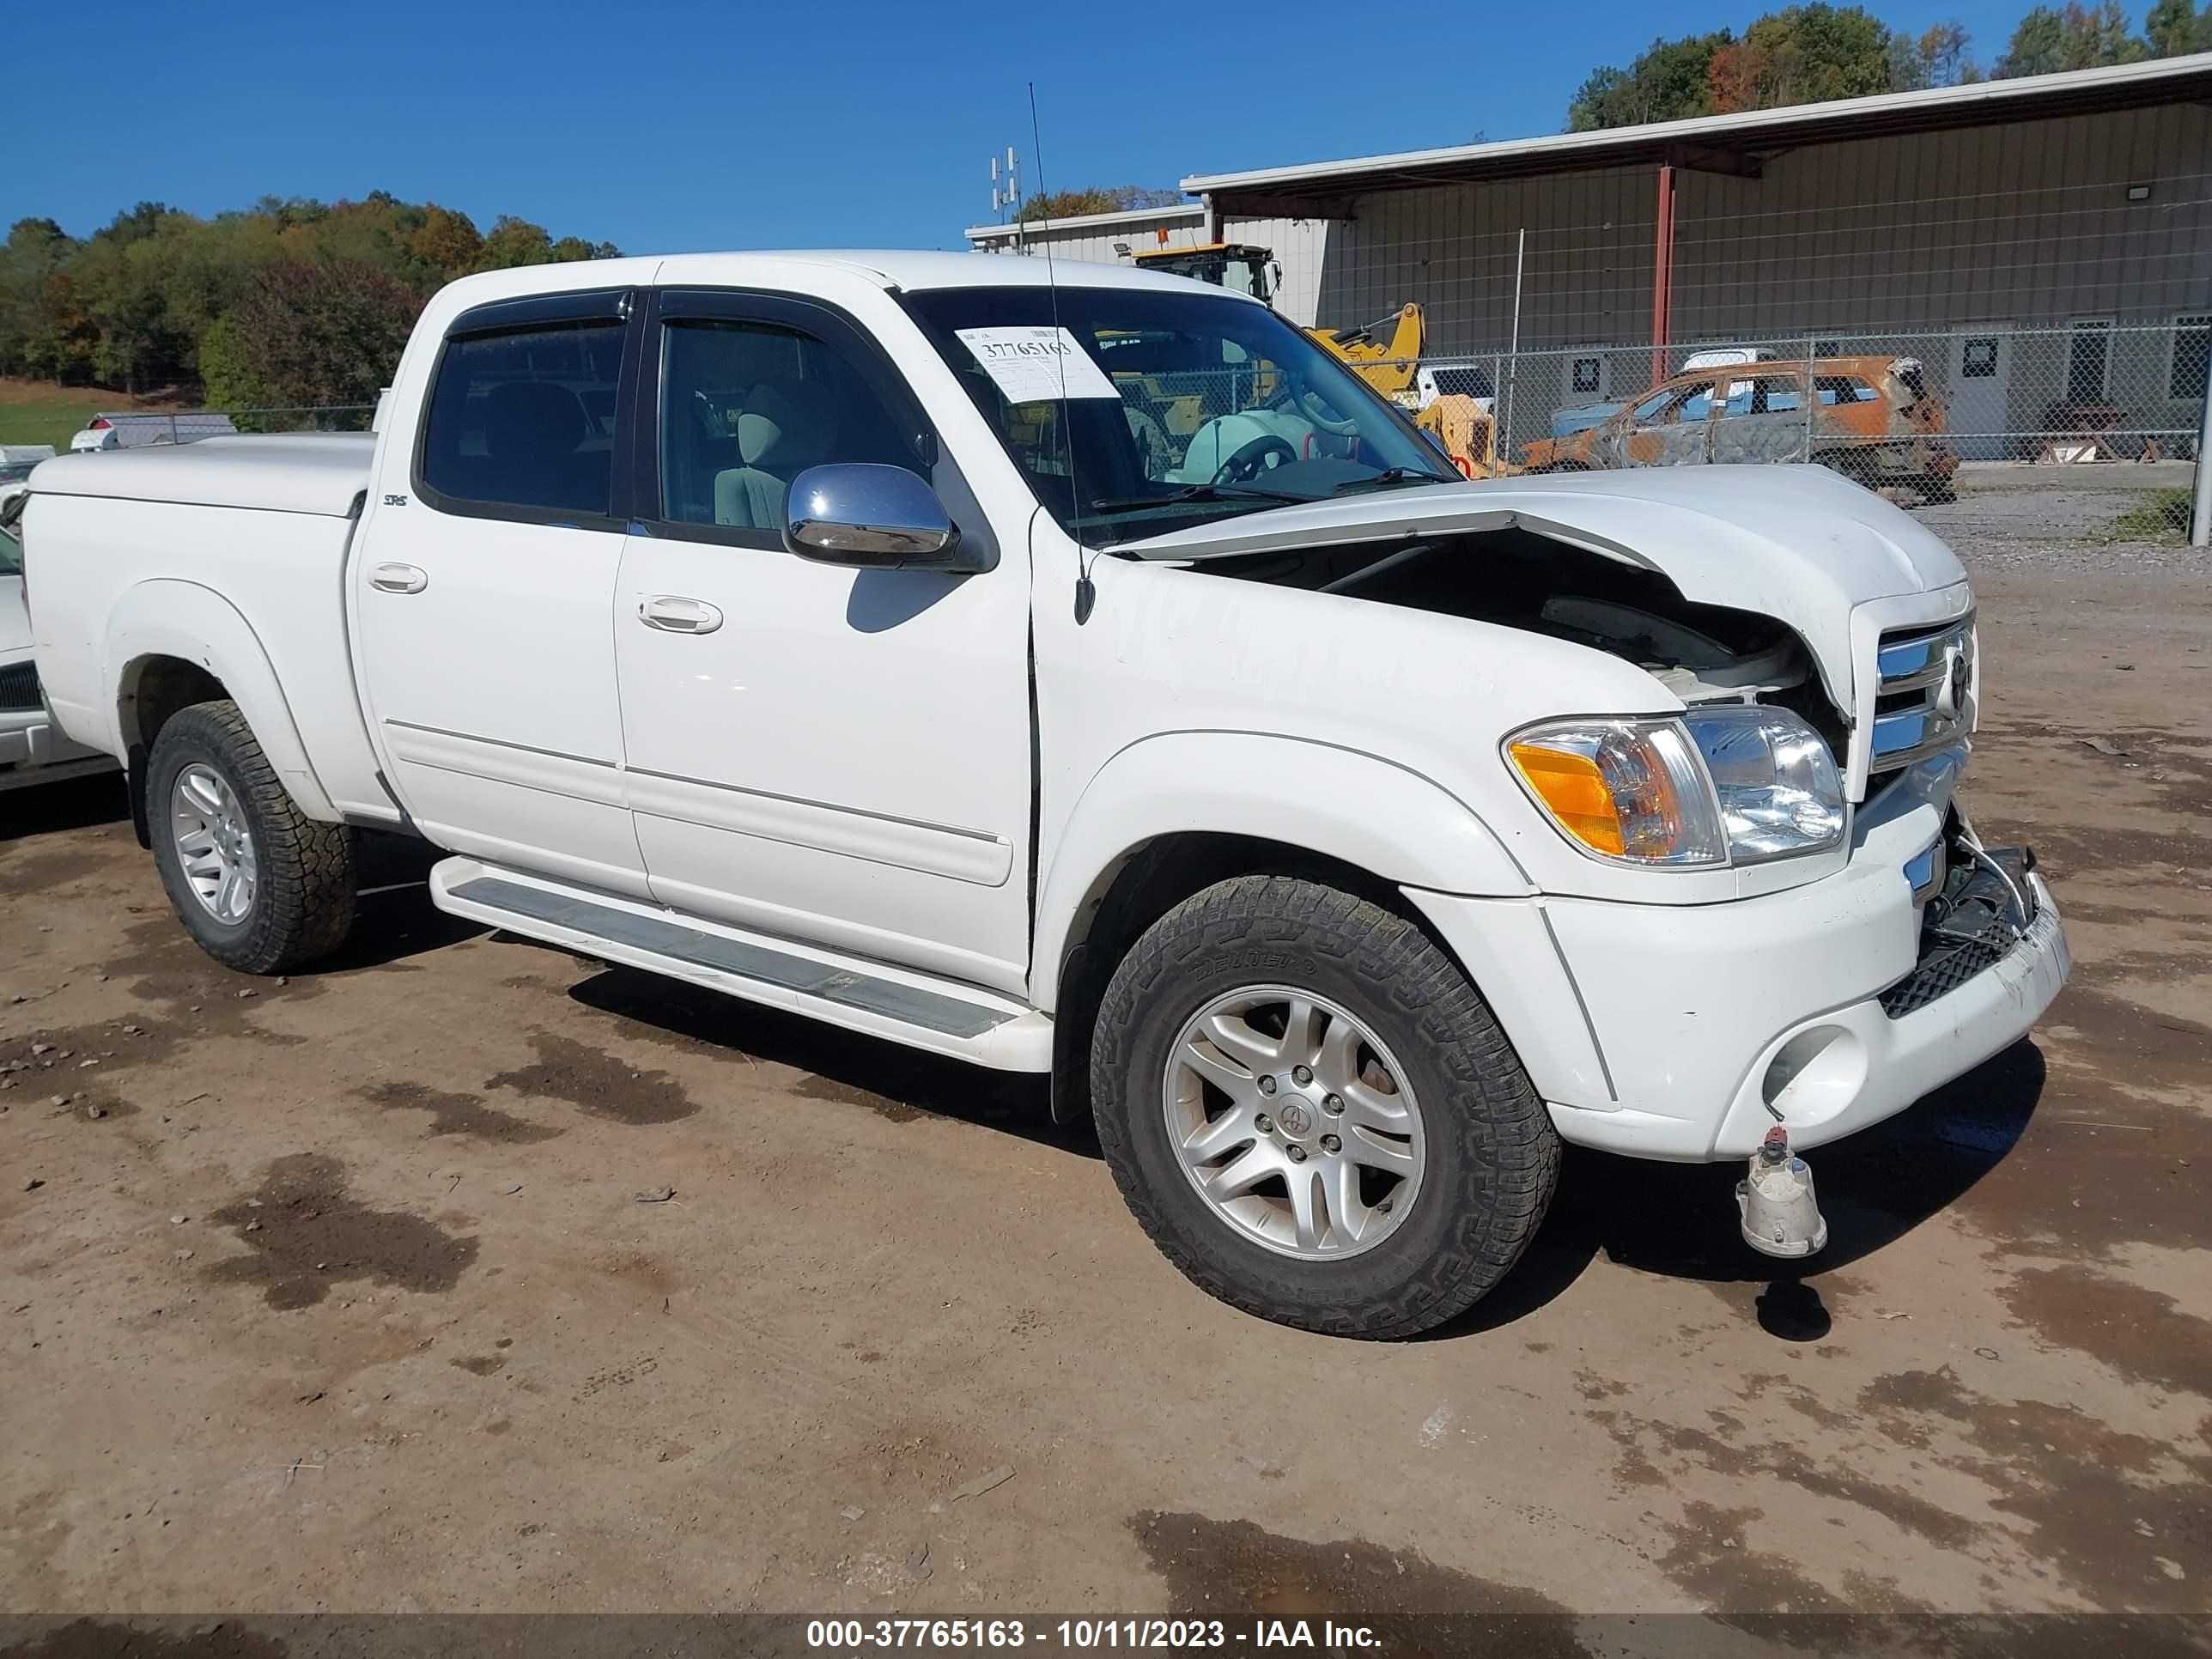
{"x": 860, "y": 512}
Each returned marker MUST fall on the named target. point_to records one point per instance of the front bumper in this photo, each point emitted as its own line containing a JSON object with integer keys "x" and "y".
{"x": 1663, "y": 1031}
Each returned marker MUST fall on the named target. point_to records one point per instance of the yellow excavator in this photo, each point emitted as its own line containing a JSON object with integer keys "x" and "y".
{"x": 1386, "y": 354}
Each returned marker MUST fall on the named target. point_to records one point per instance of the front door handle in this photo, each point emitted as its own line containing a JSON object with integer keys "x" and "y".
{"x": 398, "y": 578}
{"x": 673, "y": 613}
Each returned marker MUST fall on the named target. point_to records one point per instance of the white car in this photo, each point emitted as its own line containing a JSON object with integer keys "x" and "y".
{"x": 1079, "y": 671}
{"x": 31, "y": 750}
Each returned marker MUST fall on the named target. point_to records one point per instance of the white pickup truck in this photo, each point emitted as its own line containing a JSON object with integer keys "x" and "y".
{"x": 1087, "y": 676}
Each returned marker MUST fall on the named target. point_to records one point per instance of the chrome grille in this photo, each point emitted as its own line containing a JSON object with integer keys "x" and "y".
{"x": 1924, "y": 695}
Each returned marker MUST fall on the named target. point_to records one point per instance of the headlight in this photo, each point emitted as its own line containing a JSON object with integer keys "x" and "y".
{"x": 1627, "y": 789}
{"x": 1774, "y": 779}
{"x": 1736, "y": 784}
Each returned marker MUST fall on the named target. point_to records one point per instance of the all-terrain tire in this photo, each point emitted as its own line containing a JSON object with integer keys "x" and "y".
{"x": 1492, "y": 1157}
{"x": 303, "y": 902}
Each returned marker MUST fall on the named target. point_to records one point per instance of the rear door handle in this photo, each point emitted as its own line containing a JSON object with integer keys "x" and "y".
{"x": 398, "y": 578}
{"x": 672, "y": 613}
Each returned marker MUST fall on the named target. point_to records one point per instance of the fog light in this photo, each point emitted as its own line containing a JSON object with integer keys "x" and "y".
{"x": 1775, "y": 1201}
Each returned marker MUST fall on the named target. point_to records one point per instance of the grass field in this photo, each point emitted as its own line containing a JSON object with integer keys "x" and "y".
{"x": 35, "y": 412}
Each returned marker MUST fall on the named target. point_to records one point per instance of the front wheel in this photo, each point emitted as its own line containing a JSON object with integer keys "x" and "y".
{"x": 1313, "y": 1113}
{"x": 261, "y": 886}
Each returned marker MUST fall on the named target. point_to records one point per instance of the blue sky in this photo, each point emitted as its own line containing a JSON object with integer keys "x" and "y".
{"x": 666, "y": 127}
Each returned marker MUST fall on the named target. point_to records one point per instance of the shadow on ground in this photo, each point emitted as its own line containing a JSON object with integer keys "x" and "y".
{"x": 1678, "y": 1220}
{"x": 394, "y": 918}
{"x": 47, "y": 808}
{"x": 900, "y": 1083}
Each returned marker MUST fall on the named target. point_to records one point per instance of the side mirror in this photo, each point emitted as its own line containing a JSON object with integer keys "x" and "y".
{"x": 871, "y": 517}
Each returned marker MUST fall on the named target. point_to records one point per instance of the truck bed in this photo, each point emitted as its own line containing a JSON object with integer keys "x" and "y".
{"x": 317, "y": 472}
{"x": 228, "y": 555}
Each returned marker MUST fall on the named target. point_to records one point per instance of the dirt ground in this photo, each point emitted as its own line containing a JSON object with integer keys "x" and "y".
{"x": 335, "y": 1293}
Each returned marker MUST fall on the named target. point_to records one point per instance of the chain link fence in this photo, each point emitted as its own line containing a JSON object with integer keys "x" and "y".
{"x": 1901, "y": 409}
{"x": 2049, "y": 285}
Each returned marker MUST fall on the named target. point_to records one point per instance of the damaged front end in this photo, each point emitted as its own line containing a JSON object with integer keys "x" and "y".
{"x": 1858, "y": 968}
{"x": 1977, "y": 904}
{"x": 1518, "y": 577}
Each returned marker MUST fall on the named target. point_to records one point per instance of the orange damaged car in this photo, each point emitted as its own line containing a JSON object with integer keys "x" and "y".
{"x": 1873, "y": 419}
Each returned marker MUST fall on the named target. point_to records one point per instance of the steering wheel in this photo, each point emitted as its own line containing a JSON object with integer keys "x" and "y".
{"x": 1250, "y": 460}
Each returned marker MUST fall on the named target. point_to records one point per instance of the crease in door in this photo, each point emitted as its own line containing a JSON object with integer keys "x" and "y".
{"x": 622, "y": 712}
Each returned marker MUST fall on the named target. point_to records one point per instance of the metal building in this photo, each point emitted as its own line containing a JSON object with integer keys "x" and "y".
{"x": 2045, "y": 243}
{"x": 1102, "y": 238}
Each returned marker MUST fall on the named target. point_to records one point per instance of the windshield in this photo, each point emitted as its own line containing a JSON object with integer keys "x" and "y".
{"x": 1178, "y": 408}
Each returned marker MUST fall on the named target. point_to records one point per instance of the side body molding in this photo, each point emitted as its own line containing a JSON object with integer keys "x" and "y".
{"x": 1392, "y": 822}
{"x": 196, "y": 624}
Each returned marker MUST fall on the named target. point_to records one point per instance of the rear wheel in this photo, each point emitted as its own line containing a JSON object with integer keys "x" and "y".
{"x": 260, "y": 885}
{"x": 1314, "y": 1115}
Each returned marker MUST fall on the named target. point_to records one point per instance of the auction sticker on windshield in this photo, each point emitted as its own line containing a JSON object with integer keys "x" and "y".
{"x": 1035, "y": 363}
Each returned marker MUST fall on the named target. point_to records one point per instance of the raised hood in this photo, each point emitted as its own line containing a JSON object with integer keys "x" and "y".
{"x": 1799, "y": 544}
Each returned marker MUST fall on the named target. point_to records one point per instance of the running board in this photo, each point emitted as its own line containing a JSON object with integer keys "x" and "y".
{"x": 918, "y": 1009}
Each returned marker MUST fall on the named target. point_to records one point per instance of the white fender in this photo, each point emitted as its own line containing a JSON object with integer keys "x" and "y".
{"x": 1379, "y": 816}
{"x": 196, "y": 624}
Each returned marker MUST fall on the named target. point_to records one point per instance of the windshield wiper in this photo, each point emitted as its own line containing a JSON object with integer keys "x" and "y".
{"x": 1197, "y": 492}
{"x": 1393, "y": 475}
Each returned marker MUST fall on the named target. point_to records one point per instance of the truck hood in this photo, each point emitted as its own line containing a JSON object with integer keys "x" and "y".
{"x": 1799, "y": 544}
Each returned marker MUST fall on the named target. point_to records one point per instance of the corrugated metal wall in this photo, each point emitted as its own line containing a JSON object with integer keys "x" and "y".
{"x": 2028, "y": 223}
{"x": 1451, "y": 248}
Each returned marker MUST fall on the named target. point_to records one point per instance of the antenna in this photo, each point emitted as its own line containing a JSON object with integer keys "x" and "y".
{"x": 1086, "y": 595}
{"x": 1007, "y": 199}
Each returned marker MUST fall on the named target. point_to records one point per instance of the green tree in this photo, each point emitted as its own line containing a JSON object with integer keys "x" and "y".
{"x": 1096, "y": 198}
{"x": 512, "y": 241}
{"x": 1671, "y": 81}
{"x": 325, "y": 332}
{"x": 35, "y": 249}
{"x": 229, "y": 375}
{"x": 121, "y": 278}
{"x": 135, "y": 304}
{"x": 1939, "y": 55}
{"x": 1810, "y": 54}
{"x": 2073, "y": 37}
{"x": 448, "y": 241}
{"x": 2172, "y": 29}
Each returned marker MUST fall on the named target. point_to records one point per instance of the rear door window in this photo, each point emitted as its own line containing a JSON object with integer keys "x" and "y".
{"x": 1763, "y": 394}
{"x": 524, "y": 419}
{"x": 1846, "y": 389}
